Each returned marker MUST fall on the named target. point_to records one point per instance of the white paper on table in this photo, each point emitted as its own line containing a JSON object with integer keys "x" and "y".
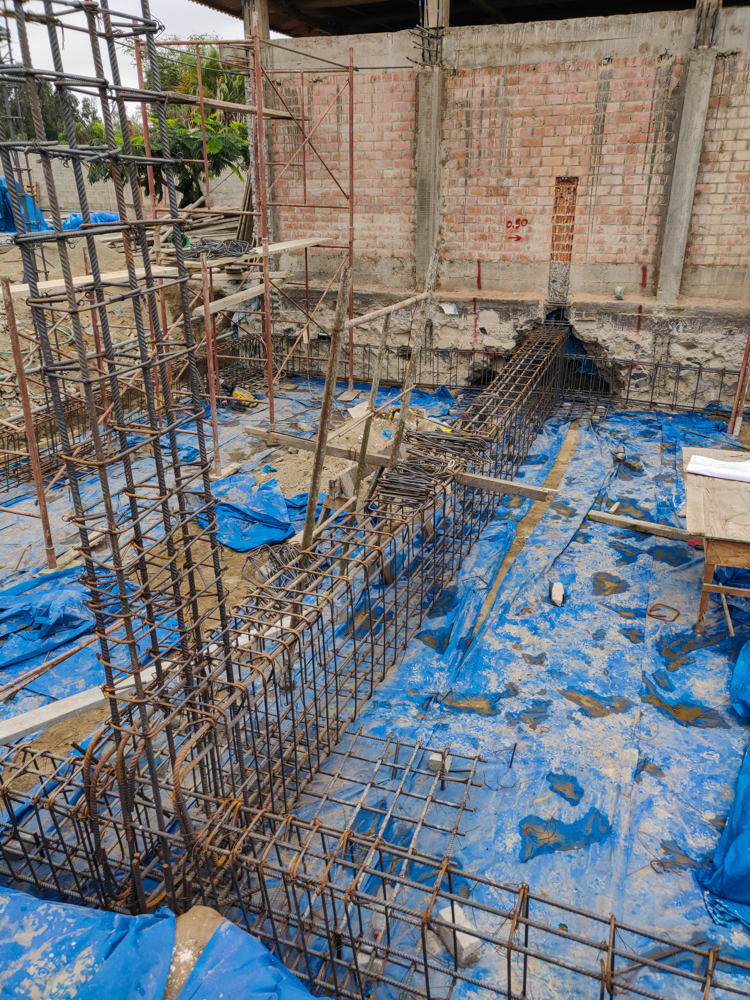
{"x": 699, "y": 465}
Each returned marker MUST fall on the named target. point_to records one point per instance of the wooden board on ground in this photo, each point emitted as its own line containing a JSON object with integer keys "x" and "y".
{"x": 58, "y": 284}
{"x": 717, "y": 508}
{"x": 634, "y": 524}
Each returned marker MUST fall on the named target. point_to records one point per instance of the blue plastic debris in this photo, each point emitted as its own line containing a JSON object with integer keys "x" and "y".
{"x": 268, "y": 468}
{"x": 75, "y": 219}
{"x": 247, "y": 518}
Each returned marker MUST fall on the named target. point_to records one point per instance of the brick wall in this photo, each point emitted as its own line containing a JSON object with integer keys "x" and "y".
{"x": 509, "y": 131}
{"x": 384, "y": 173}
{"x": 718, "y": 253}
{"x": 599, "y": 99}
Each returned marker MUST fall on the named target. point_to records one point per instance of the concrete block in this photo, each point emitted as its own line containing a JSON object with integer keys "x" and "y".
{"x": 468, "y": 948}
{"x": 370, "y": 963}
{"x": 557, "y": 594}
{"x": 435, "y": 763}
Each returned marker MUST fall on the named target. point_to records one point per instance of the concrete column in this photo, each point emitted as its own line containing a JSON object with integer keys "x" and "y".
{"x": 261, "y": 8}
{"x": 429, "y": 128}
{"x": 700, "y": 74}
{"x": 437, "y": 13}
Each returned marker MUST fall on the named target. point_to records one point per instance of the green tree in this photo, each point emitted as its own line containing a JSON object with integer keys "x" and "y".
{"x": 85, "y": 116}
{"x": 226, "y": 148}
{"x": 178, "y": 71}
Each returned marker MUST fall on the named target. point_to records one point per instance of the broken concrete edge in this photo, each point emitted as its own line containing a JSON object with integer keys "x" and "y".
{"x": 66, "y": 708}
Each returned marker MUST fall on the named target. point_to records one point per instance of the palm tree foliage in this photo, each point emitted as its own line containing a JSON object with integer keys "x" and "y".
{"x": 226, "y": 148}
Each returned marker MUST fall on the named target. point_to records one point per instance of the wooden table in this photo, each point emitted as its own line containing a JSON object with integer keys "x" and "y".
{"x": 718, "y": 510}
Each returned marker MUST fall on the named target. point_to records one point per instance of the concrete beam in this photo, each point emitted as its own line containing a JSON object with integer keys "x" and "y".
{"x": 429, "y": 129}
{"x": 700, "y": 75}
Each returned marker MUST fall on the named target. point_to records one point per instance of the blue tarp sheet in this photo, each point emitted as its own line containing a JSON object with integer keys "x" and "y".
{"x": 728, "y": 881}
{"x": 75, "y": 219}
{"x": 61, "y": 952}
{"x": 235, "y": 965}
{"x": 248, "y": 518}
{"x": 42, "y": 614}
{"x": 33, "y": 218}
{"x": 627, "y": 747}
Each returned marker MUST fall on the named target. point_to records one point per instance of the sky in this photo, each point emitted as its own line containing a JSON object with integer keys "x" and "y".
{"x": 181, "y": 19}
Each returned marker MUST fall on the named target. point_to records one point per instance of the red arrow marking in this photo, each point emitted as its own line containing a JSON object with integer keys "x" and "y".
{"x": 513, "y": 237}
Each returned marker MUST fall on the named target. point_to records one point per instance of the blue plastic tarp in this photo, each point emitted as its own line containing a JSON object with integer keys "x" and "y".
{"x": 75, "y": 219}
{"x": 233, "y": 964}
{"x": 739, "y": 689}
{"x": 729, "y": 877}
{"x": 627, "y": 748}
{"x": 247, "y": 518}
{"x": 42, "y": 614}
{"x": 728, "y": 881}
{"x": 61, "y": 952}
{"x": 33, "y": 219}
{"x": 57, "y": 951}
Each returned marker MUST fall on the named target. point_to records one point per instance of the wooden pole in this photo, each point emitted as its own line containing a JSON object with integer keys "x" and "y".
{"x": 208, "y": 339}
{"x": 28, "y": 420}
{"x": 326, "y": 406}
{"x": 261, "y": 160}
{"x": 738, "y": 408}
{"x": 414, "y": 359}
{"x": 361, "y": 461}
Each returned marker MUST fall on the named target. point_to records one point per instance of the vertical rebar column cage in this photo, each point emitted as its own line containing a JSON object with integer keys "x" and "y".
{"x": 143, "y": 509}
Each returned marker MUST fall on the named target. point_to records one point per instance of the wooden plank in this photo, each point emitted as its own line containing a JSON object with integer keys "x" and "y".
{"x": 56, "y": 284}
{"x": 715, "y": 588}
{"x": 174, "y": 97}
{"x": 720, "y": 552}
{"x": 491, "y": 485}
{"x": 717, "y": 508}
{"x": 287, "y": 245}
{"x": 464, "y": 478}
{"x": 309, "y": 444}
{"x": 66, "y": 708}
{"x": 634, "y": 524}
{"x": 230, "y": 301}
